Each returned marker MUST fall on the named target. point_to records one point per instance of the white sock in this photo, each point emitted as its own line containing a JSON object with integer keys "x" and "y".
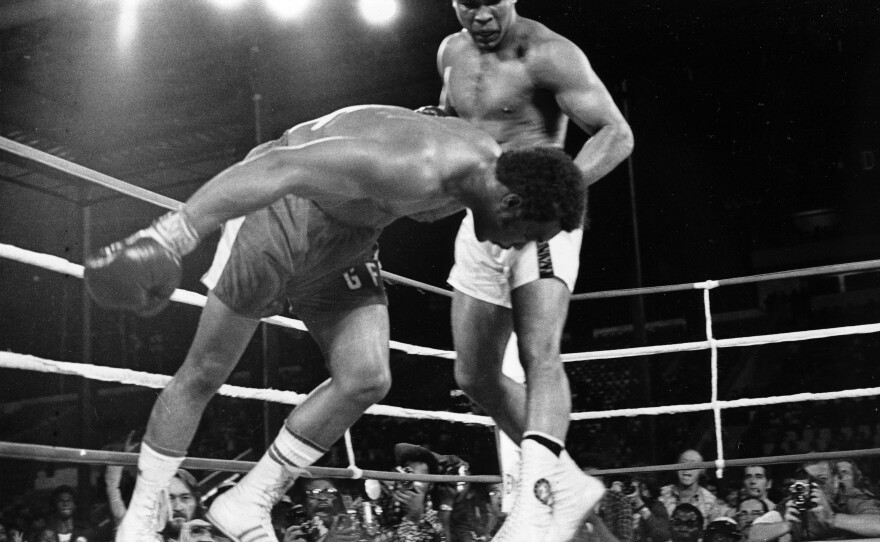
{"x": 292, "y": 451}
{"x": 155, "y": 467}
{"x": 276, "y": 471}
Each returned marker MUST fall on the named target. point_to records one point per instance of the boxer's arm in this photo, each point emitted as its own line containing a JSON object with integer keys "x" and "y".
{"x": 445, "y": 72}
{"x": 565, "y": 70}
{"x": 348, "y": 167}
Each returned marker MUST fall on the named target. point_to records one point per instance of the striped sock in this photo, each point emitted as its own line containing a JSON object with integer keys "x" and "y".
{"x": 291, "y": 451}
{"x": 275, "y": 472}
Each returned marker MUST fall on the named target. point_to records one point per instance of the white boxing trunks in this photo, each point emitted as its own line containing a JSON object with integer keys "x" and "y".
{"x": 487, "y": 272}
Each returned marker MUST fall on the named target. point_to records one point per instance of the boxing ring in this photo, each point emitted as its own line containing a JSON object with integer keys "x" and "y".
{"x": 24, "y": 362}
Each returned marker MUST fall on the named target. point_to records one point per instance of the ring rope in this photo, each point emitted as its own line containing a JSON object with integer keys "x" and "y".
{"x": 83, "y": 173}
{"x": 716, "y": 409}
{"x": 868, "y": 265}
{"x": 357, "y": 473}
{"x": 40, "y": 452}
{"x": 11, "y": 360}
{"x": 60, "y": 265}
{"x": 59, "y": 164}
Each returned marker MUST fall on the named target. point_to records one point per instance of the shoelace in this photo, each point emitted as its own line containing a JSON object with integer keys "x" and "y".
{"x": 155, "y": 510}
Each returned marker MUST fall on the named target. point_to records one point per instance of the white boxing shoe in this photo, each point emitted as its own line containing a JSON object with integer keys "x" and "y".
{"x": 147, "y": 514}
{"x": 244, "y": 513}
{"x": 575, "y": 494}
{"x": 531, "y": 519}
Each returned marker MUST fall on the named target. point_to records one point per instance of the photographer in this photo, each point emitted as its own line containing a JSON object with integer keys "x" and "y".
{"x": 651, "y": 518}
{"x": 819, "y": 507}
{"x": 320, "y": 516}
{"x": 408, "y": 513}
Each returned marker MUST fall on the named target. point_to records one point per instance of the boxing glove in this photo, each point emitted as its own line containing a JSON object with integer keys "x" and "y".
{"x": 140, "y": 273}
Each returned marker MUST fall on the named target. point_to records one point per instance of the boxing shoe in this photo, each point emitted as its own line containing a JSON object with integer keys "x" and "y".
{"x": 244, "y": 513}
{"x": 148, "y": 512}
{"x": 574, "y": 496}
{"x": 531, "y": 519}
{"x": 141, "y": 272}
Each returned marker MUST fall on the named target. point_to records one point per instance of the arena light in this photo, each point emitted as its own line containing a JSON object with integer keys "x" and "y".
{"x": 227, "y": 4}
{"x": 378, "y": 11}
{"x": 127, "y": 22}
{"x": 287, "y": 9}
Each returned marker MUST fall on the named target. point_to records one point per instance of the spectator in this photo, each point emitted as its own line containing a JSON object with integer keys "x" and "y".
{"x": 496, "y": 498}
{"x": 722, "y": 529}
{"x": 687, "y": 523}
{"x": 473, "y": 517}
{"x": 747, "y": 511}
{"x": 651, "y": 520}
{"x": 732, "y": 496}
{"x": 45, "y": 534}
{"x": 284, "y": 516}
{"x": 408, "y": 513}
{"x": 851, "y": 476}
{"x": 757, "y": 483}
{"x": 321, "y": 515}
{"x": 687, "y": 489}
{"x": 184, "y": 505}
{"x": 614, "y": 511}
{"x": 198, "y": 530}
{"x": 831, "y": 511}
{"x": 113, "y": 475}
{"x": 64, "y": 521}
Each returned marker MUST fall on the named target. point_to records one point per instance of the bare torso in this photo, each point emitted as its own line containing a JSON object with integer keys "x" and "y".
{"x": 450, "y": 146}
{"x": 500, "y": 91}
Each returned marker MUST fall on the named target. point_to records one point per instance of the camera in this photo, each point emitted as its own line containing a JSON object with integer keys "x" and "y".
{"x": 296, "y": 516}
{"x": 628, "y": 486}
{"x": 404, "y": 484}
{"x": 801, "y": 492}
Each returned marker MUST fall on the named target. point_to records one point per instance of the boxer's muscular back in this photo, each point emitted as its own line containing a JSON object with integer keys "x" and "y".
{"x": 451, "y": 148}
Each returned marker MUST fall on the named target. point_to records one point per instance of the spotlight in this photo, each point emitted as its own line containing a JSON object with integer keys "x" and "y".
{"x": 287, "y": 9}
{"x": 128, "y": 21}
{"x": 227, "y": 4}
{"x": 378, "y": 11}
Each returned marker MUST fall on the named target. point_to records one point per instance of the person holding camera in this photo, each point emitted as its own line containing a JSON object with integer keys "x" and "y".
{"x": 819, "y": 507}
{"x": 407, "y": 507}
{"x": 321, "y": 515}
{"x": 650, "y": 518}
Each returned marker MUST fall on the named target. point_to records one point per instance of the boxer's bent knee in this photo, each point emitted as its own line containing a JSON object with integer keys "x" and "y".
{"x": 480, "y": 385}
{"x": 203, "y": 374}
{"x": 366, "y": 384}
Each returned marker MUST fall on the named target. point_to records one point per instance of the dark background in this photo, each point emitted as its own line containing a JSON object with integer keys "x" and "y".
{"x": 756, "y": 126}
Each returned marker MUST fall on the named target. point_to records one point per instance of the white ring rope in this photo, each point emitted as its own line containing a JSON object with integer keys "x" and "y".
{"x": 60, "y": 265}
{"x": 11, "y": 360}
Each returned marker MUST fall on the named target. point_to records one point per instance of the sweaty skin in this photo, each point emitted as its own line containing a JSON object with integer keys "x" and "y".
{"x": 525, "y": 86}
{"x": 521, "y": 82}
{"x": 363, "y": 165}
